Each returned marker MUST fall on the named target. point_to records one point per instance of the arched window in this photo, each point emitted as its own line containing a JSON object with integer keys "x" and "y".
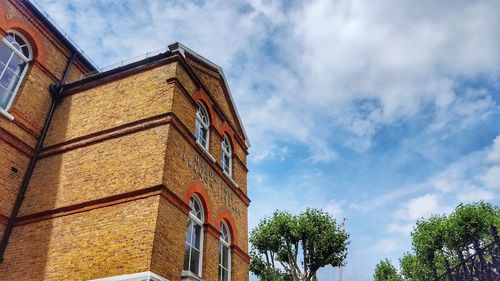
{"x": 202, "y": 124}
{"x": 194, "y": 237}
{"x": 15, "y": 54}
{"x": 226, "y": 156}
{"x": 224, "y": 253}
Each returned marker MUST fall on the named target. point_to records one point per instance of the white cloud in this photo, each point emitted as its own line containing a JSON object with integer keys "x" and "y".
{"x": 474, "y": 195}
{"x": 404, "y": 229}
{"x": 494, "y": 153}
{"x": 491, "y": 177}
{"x": 335, "y": 209}
{"x": 319, "y": 73}
{"x": 385, "y": 246}
{"x": 419, "y": 207}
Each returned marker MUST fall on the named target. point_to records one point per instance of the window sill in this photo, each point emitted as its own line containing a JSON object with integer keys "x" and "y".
{"x": 230, "y": 179}
{"x": 6, "y": 114}
{"x": 206, "y": 152}
{"x": 189, "y": 276}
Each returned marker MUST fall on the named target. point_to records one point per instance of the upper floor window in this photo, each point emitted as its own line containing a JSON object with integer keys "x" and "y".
{"x": 224, "y": 253}
{"x": 194, "y": 237}
{"x": 226, "y": 155}
{"x": 202, "y": 124}
{"x": 15, "y": 53}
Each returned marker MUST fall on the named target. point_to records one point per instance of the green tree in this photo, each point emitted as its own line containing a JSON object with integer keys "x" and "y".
{"x": 385, "y": 271}
{"x": 293, "y": 247}
{"x": 445, "y": 240}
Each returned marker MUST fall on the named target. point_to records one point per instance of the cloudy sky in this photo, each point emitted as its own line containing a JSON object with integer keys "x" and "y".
{"x": 378, "y": 111}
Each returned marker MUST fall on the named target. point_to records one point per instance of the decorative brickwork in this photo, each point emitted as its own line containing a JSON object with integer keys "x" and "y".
{"x": 109, "y": 195}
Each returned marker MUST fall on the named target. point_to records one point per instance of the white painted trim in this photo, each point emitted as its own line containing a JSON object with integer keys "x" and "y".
{"x": 189, "y": 276}
{"x": 231, "y": 179}
{"x": 206, "y": 152}
{"x": 140, "y": 276}
{"x": 6, "y": 114}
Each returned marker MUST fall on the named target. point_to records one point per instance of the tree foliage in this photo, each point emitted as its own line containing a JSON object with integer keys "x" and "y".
{"x": 293, "y": 247}
{"x": 385, "y": 271}
{"x": 442, "y": 240}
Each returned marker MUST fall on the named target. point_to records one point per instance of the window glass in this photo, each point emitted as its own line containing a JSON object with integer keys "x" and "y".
{"x": 202, "y": 126}
{"x": 194, "y": 237}
{"x": 224, "y": 253}
{"x": 13, "y": 65}
{"x": 226, "y": 155}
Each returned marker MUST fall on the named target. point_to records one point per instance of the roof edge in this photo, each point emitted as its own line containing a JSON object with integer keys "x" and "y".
{"x": 183, "y": 49}
{"x": 43, "y": 16}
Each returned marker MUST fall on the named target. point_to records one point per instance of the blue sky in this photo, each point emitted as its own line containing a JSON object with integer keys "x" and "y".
{"x": 378, "y": 111}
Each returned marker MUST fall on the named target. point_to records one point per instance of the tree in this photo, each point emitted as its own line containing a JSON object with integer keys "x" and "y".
{"x": 385, "y": 271}
{"x": 441, "y": 241}
{"x": 293, "y": 247}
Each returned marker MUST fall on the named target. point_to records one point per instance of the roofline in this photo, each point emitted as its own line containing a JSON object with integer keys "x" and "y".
{"x": 43, "y": 18}
{"x": 183, "y": 49}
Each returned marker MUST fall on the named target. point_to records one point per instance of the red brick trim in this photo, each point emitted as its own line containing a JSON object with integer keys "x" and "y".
{"x": 196, "y": 187}
{"x": 42, "y": 29}
{"x": 190, "y": 98}
{"x": 176, "y": 201}
{"x": 241, "y": 163}
{"x": 192, "y": 75}
{"x": 240, "y": 253}
{"x": 99, "y": 79}
{"x": 47, "y": 72}
{"x": 33, "y": 37}
{"x": 91, "y": 205}
{"x": 136, "y": 126}
{"x": 16, "y": 143}
{"x": 107, "y": 134}
{"x": 181, "y": 128}
{"x": 228, "y": 218}
{"x": 4, "y": 220}
{"x": 226, "y": 93}
{"x": 176, "y": 82}
{"x": 200, "y": 95}
{"x": 22, "y": 121}
{"x": 211, "y": 230}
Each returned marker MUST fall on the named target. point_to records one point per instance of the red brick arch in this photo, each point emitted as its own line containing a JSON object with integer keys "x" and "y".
{"x": 224, "y": 129}
{"x": 201, "y": 96}
{"x": 196, "y": 187}
{"x": 31, "y": 34}
{"x": 226, "y": 216}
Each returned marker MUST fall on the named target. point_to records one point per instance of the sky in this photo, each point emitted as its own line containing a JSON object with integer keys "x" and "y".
{"x": 382, "y": 112}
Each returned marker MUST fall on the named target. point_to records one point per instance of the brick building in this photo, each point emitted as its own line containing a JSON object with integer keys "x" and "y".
{"x": 135, "y": 173}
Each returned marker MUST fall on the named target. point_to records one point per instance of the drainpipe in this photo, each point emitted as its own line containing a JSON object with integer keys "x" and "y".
{"x": 55, "y": 92}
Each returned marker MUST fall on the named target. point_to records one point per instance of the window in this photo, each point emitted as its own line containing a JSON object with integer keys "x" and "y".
{"x": 224, "y": 253}
{"x": 226, "y": 156}
{"x": 194, "y": 237}
{"x": 15, "y": 53}
{"x": 202, "y": 126}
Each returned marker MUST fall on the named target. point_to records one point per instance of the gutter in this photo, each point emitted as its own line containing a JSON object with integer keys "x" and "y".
{"x": 55, "y": 92}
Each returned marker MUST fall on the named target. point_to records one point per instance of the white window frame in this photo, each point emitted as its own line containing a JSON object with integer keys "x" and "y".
{"x": 206, "y": 125}
{"x": 226, "y": 244}
{"x": 24, "y": 58}
{"x": 195, "y": 220}
{"x": 228, "y": 154}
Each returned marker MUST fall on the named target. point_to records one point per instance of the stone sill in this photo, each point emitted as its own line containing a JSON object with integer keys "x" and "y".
{"x": 6, "y": 114}
{"x": 140, "y": 276}
{"x": 189, "y": 276}
{"x": 206, "y": 152}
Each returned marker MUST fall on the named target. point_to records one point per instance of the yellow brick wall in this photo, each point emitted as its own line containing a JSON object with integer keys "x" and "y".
{"x": 116, "y": 166}
{"x": 109, "y": 105}
{"x": 168, "y": 250}
{"x": 9, "y": 180}
{"x": 102, "y": 242}
{"x": 178, "y": 175}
